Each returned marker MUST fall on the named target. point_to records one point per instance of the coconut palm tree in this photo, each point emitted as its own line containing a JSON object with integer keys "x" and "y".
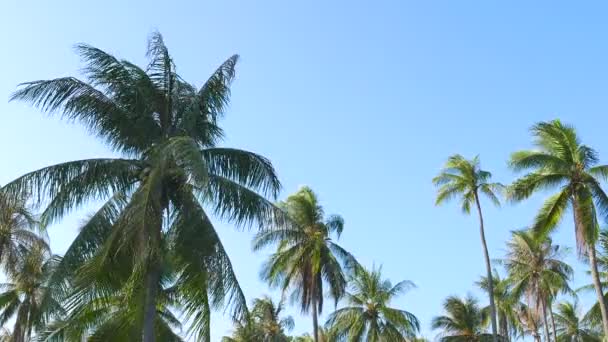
{"x": 26, "y": 297}
{"x": 306, "y": 259}
{"x": 530, "y": 321}
{"x": 368, "y": 315}
{"x": 536, "y": 270}
{"x": 506, "y": 304}
{"x": 465, "y": 179}
{"x": 560, "y": 161}
{"x": 169, "y": 168}
{"x": 570, "y": 327}
{"x": 464, "y": 321}
{"x": 18, "y": 230}
{"x": 267, "y": 315}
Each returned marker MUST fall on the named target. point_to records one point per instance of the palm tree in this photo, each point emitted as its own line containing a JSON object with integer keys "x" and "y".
{"x": 570, "y": 327}
{"x": 26, "y": 297}
{"x": 464, "y": 321}
{"x": 536, "y": 270}
{"x": 529, "y": 321}
{"x": 306, "y": 257}
{"x": 465, "y": 178}
{"x": 245, "y": 331}
{"x": 325, "y": 335}
{"x": 267, "y": 314}
{"x": 170, "y": 168}
{"x": 18, "y": 227}
{"x": 368, "y": 315}
{"x": 562, "y": 162}
{"x": 506, "y": 304}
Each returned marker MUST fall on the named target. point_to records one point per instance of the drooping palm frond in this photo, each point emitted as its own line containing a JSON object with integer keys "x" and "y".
{"x": 464, "y": 321}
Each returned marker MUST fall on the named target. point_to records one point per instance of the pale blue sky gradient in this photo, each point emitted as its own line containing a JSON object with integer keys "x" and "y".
{"x": 361, "y": 100}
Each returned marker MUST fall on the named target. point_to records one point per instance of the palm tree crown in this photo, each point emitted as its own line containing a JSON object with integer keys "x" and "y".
{"x": 464, "y": 321}
{"x": 368, "y": 315}
{"x": 570, "y": 327}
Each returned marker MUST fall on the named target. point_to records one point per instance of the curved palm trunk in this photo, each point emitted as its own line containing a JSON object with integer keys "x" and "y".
{"x": 553, "y": 323}
{"x": 593, "y": 263}
{"x": 545, "y": 322}
{"x": 488, "y": 270}
{"x": 598, "y": 287}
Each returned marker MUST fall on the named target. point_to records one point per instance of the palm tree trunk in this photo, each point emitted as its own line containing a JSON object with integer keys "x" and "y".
{"x": 503, "y": 326}
{"x": 553, "y": 323}
{"x": 598, "y": 286}
{"x": 315, "y": 323}
{"x": 488, "y": 269}
{"x": 152, "y": 279}
{"x": 545, "y": 323}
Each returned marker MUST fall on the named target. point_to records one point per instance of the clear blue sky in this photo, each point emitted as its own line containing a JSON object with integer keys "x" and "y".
{"x": 361, "y": 100}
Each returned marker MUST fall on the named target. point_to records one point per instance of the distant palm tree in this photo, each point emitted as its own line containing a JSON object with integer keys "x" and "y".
{"x": 562, "y": 162}
{"x": 368, "y": 315}
{"x": 506, "y": 304}
{"x": 530, "y": 321}
{"x": 267, "y": 315}
{"x": 465, "y": 179}
{"x": 170, "y": 168}
{"x": 325, "y": 335}
{"x": 536, "y": 270}
{"x": 464, "y": 321}
{"x": 245, "y": 331}
{"x": 306, "y": 257}
{"x": 570, "y": 327}
{"x": 26, "y": 297}
{"x": 18, "y": 227}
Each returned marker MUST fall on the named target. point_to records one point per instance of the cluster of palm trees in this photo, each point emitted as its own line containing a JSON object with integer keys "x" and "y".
{"x": 525, "y": 301}
{"x": 149, "y": 265}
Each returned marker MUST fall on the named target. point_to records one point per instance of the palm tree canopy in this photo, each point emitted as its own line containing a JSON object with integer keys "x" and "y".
{"x": 170, "y": 170}
{"x": 536, "y": 267}
{"x": 464, "y": 178}
{"x": 560, "y": 161}
{"x": 570, "y": 327}
{"x": 464, "y": 321}
{"x": 368, "y": 315}
{"x": 306, "y": 257}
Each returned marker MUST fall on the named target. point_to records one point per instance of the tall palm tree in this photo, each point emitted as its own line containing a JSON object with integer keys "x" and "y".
{"x": 464, "y": 321}
{"x": 26, "y": 297}
{"x": 560, "y": 161}
{"x": 536, "y": 270}
{"x": 530, "y": 321}
{"x": 594, "y": 316}
{"x": 570, "y": 327}
{"x": 169, "y": 168}
{"x": 465, "y": 179}
{"x": 368, "y": 315}
{"x": 267, "y": 315}
{"x": 506, "y": 304}
{"x": 18, "y": 230}
{"x": 306, "y": 258}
